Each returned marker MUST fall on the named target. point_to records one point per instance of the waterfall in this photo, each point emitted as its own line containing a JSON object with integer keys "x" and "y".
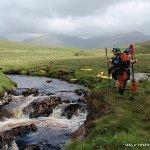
{"x": 13, "y": 146}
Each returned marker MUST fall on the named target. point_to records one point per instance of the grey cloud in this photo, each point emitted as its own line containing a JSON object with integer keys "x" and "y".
{"x": 75, "y": 17}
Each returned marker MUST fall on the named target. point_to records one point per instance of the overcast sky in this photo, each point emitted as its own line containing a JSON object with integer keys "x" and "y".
{"x": 85, "y": 18}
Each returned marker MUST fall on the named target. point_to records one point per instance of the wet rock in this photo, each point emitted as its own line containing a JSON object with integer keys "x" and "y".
{"x": 4, "y": 113}
{"x": 66, "y": 101}
{"x": 42, "y": 146}
{"x": 25, "y": 91}
{"x": 6, "y": 137}
{"x": 28, "y": 92}
{"x": 70, "y": 110}
{"x": 81, "y": 100}
{"x": 49, "y": 81}
{"x": 64, "y": 74}
{"x": 13, "y": 72}
{"x": 79, "y": 92}
{"x": 32, "y": 147}
{"x": 6, "y": 99}
{"x": 18, "y": 91}
{"x": 42, "y": 107}
{"x": 142, "y": 76}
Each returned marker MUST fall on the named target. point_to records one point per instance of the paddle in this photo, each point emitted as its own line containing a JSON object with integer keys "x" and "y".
{"x": 133, "y": 83}
{"x": 107, "y": 64}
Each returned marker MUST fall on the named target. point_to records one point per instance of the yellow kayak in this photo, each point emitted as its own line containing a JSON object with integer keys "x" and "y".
{"x": 73, "y": 79}
{"x": 84, "y": 69}
{"x": 42, "y": 71}
{"x": 101, "y": 75}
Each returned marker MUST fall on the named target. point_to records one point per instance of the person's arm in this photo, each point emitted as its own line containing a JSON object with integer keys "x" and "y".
{"x": 133, "y": 61}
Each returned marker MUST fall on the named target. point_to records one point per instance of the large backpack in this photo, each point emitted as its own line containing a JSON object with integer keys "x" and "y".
{"x": 124, "y": 60}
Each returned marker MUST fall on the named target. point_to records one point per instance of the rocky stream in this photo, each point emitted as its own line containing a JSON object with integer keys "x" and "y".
{"x": 41, "y": 113}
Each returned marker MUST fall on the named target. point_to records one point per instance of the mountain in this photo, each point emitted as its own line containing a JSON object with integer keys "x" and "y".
{"x": 2, "y": 38}
{"x": 117, "y": 40}
{"x": 59, "y": 40}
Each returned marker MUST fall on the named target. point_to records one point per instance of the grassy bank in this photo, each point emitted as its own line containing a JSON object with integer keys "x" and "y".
{"x": 128, "y": 119}
{"x": 5, "y": 84}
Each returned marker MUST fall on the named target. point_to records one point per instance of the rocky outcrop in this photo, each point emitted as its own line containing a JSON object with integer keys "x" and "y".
{"x": 28, "y": 92}
{"x": 13, "y": 72}
{"x": 79, "y": 92}
{"x": 6, "y": 137}
{"x": 42, "y": 146}
{"x": 25, "y": 91}
{"x": 49, "y": 81}
{"x": 70, "y": 110}
{"x": 64, "y": 74}
{"x": 4, "y": 113}
{"x": 6, "y": 99}
{"x": 142, "y": 76}
{"x": 42, "y": 107}
{"x": 60, "y": 74}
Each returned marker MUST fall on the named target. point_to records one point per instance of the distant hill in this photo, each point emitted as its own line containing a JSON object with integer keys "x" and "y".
{"x": 143, "y": 47}
{"x": 2, "y": 38}
{"x": 59, "y": 40}
{"x": 118, "y": 40}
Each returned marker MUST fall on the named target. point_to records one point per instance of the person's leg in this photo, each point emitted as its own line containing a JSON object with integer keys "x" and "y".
{"x": 115, "y": 83}
{"x": 115, "y": 76}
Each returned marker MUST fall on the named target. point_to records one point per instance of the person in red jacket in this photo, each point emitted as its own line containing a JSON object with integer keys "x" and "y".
{"x": 124, "y": 69}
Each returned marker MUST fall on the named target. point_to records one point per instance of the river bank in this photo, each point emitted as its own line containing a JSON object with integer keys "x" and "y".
{"x": 5, "y": 84}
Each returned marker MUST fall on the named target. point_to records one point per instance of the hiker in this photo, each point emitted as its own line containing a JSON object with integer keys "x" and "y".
{"x": 124, "y": 69}
{"x": 124, "y": 62}
{"x": 115, "y": 64}
{"x": 120, "y": 63}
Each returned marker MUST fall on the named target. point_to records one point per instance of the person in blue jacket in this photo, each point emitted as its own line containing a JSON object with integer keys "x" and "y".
{"x": 115, "y": 64}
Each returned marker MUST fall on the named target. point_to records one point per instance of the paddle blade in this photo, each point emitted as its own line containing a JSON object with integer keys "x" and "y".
{"x": 133, "y": 87}
{"x": 131, "y": 49}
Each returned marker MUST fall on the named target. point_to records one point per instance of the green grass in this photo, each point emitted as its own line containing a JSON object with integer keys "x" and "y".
{"x": 5, "y": 84}
{"x": 128, "y": 121}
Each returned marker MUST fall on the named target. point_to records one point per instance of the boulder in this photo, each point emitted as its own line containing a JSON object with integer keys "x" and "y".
{"x": 79, "y": 92}
{"x": 64, "y": 74}
{"x": 4, "y": 113}
{"x": 42, "y": 107}
{"x": 70, "y": 110}
{"x": 6, "y": 137}
{"x": 141, "y": 77}
{"x": 25, "y": 91}
{"x": 42, "y": 146}
{"x": 13, "y": 72}
{"x": 6, "y": 99}
{"x": 49, "y": 81}
{"x": 28, "y": 92}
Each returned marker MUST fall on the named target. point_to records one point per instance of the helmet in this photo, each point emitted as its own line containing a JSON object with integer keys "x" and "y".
{"x": 116, "y": 50}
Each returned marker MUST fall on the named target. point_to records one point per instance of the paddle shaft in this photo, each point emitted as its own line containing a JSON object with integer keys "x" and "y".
{"x": 107, "y": 62}
{"x": 132, "y": 71}
{"x": 133, "y": 85}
